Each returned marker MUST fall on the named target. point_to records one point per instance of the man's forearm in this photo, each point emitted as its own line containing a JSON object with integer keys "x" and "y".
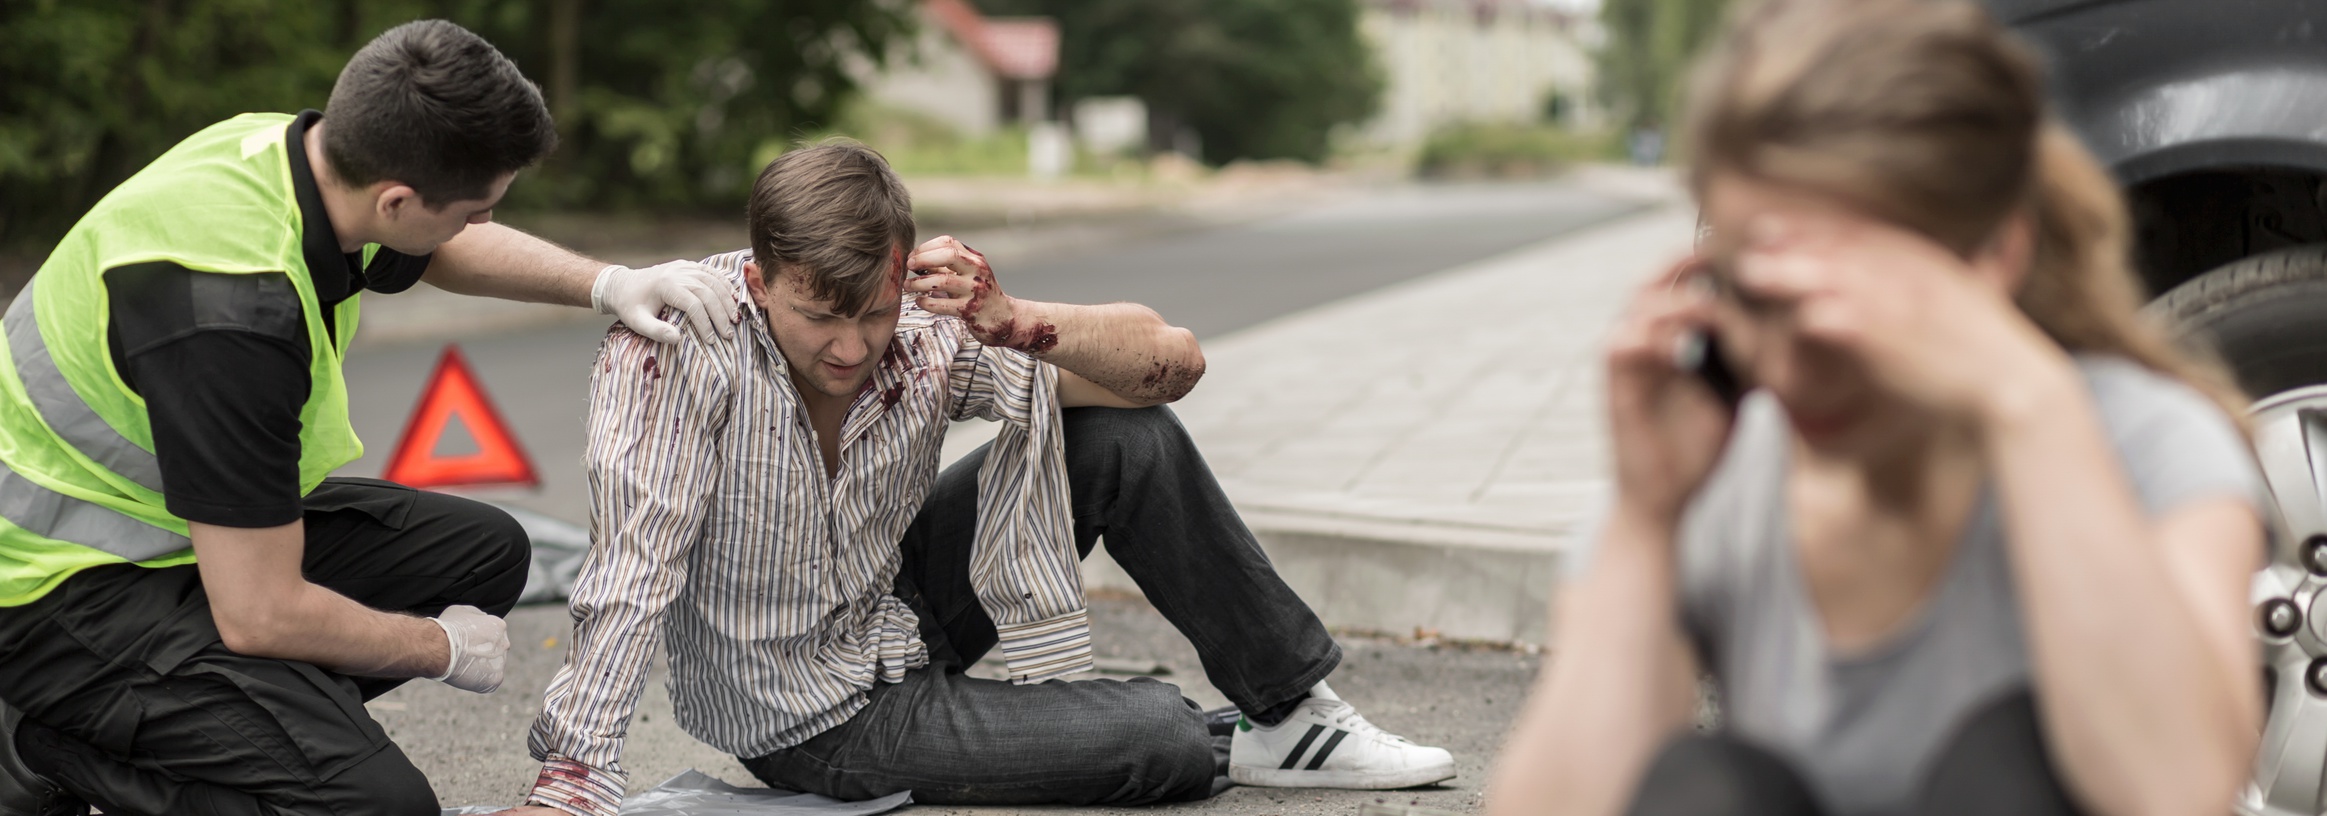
{"x": 1125, "y": 348}
{"x": 349, "y": 638}
{"x": 491, "y": 260}
{"x": 264, "y": 607}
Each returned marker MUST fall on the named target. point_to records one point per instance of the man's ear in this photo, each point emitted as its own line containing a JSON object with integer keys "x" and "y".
{"x": 2004, "y": 260}
{"x": 391, "y": 200}
{"x": 755, "y": 285}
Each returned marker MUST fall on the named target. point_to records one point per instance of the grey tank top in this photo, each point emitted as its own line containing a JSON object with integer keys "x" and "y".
{"x": 1862, "y": 728}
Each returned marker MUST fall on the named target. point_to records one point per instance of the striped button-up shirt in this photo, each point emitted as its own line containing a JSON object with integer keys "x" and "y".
{"x": 713, "y": 525}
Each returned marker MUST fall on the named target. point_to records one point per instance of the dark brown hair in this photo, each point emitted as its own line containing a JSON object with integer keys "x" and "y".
{"x": 436, "y": 108}
{"x": 1929, "y": 115}
{"x": 836, "y": 215}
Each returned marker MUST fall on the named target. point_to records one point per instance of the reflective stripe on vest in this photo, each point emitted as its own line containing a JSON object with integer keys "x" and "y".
{"x": 45, "y": 512}
{"x": 72, "y": 419}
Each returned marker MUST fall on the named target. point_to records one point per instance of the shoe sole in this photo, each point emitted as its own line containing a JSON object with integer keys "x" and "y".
{"x": 1345, "y": 780}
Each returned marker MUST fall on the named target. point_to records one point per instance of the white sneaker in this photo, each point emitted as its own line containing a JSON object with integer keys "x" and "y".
{"x": 1327, "y": 744}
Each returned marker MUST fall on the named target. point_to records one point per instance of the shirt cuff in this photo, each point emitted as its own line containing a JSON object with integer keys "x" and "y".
{"x": 576, "y": 788}
{"x": 1047, "y": 649}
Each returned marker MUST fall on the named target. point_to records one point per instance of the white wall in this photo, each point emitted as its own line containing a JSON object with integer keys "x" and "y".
{"x": 1111, "y": 124}
{"x": 943, "y": 80}
{"x": 1441, "y": 64}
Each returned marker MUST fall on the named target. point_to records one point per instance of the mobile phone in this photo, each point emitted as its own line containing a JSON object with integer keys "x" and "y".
{"x": 1702, "y": 357}
{"x": 1700, "y": 353}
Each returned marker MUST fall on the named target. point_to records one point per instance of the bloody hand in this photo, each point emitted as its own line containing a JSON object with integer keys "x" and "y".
{"x": 959, "y": 283}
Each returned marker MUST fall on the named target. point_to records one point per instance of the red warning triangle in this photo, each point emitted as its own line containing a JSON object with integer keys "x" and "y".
{"x": 454, "y": 391}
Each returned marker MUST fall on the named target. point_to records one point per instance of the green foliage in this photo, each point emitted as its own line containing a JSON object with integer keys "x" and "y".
{"x": 1645, "y": 63}
{"x": 657, "y": 106}
{"x": 97, "y": 88}
{"x": 1255, "y": 79}
{"x": 1508, "y": 150}
{"x": 676, "y": 108}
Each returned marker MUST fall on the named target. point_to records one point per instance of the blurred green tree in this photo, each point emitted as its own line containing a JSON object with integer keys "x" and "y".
{"x": 1650, "y": 46}
{"x": 97, "y": 88}
{"x": 1253, "y": 79}
{"x": 656, "y": 106}
{"x": 666, "y": 107}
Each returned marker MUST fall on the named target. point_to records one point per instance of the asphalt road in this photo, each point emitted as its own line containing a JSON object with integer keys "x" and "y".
{"x": 1212, "y": 282}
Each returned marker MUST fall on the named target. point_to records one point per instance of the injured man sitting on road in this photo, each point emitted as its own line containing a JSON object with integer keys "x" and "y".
{"x": 770, "y": 509}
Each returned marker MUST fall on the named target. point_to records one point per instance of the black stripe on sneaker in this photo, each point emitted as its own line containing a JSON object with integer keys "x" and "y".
{"x": 1326, "y": 750}
{"x": 1294, "y": 758}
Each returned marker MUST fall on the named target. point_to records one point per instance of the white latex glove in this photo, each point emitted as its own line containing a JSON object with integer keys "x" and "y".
{"x": 637, "y": 296}
{"x": 480, "y": 647}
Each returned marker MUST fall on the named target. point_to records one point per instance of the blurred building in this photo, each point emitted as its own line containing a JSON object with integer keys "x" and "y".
{"x": 1111, "y": 124}
{"x": 1448, "y": 61}
{"x": 975, "y": 72}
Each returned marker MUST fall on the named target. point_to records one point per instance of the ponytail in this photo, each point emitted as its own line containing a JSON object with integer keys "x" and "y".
{"x": 2081, "y": 288}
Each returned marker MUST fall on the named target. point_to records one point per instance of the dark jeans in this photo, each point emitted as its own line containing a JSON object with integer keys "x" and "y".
{"x": 1994, "y": 765}
{"x": 953, "y": 739}
{"x": 133, "y": 704}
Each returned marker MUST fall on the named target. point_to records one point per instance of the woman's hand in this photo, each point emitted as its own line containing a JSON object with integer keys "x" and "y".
{"x": 1667, "y": 426}
{"x": 1926, "y": 325}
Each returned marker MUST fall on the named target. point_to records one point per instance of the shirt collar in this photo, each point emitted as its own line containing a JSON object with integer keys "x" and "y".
{"x": 334, "y": 273}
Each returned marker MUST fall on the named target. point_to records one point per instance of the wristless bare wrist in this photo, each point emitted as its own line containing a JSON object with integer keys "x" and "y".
{"x": 1637, "y": 519}
{"x": 1037, "y": 332}
{"x": 2018, "y": 402}
{"x": 1025, "y": 327}
{"x": 446, "y": 672}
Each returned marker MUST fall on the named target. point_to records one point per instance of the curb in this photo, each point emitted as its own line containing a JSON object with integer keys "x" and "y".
{"x": 1399, "y": 586}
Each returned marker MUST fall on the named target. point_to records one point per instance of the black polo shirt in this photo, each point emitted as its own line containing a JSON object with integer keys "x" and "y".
{"x": 222, "y": 361}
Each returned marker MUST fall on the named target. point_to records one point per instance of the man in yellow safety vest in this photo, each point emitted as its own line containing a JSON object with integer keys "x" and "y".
{"x": 192, "y": 613}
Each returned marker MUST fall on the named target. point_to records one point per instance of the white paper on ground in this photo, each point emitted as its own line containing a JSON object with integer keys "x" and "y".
{"x": 695, "y": 793}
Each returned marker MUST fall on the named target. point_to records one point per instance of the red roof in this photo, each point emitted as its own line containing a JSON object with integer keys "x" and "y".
{"x": 1011, "y": 47}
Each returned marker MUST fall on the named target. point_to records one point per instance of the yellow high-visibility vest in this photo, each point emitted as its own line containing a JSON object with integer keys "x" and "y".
{"x": 79, "y": 484}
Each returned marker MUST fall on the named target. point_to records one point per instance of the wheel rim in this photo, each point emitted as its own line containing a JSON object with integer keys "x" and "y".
{"x": 2289, "y": 612}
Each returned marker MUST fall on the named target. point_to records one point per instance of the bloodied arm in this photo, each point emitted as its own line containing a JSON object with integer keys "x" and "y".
{"x": 1118, "y": 354}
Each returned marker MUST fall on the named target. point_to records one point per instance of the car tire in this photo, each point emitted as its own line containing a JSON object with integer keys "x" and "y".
{"x": 2265, "y": 315}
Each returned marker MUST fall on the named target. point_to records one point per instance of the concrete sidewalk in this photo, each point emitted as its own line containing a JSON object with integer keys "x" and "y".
{"x": 1416, "y": 459}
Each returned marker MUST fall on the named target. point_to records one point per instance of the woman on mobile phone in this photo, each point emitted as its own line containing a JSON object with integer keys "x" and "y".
{"x": 1978, "y": 541}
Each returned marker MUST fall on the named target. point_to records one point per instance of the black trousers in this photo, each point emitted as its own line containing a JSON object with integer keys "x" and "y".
{"x": 1137, "y": 479}
{"x": 132, "y": 703}
{"x": 1995, "y": 765}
